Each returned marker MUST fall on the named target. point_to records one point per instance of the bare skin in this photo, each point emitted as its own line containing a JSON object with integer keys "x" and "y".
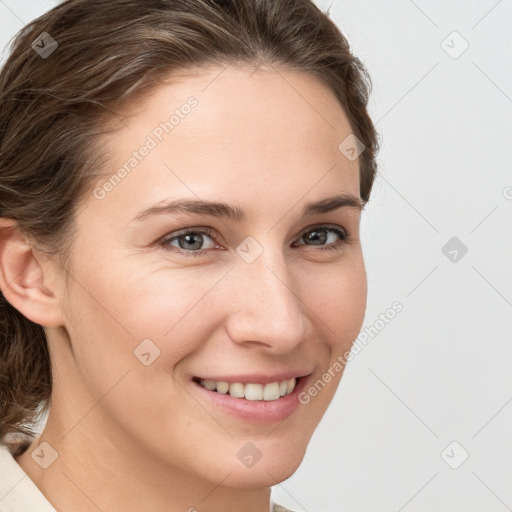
{"x": 131, "y": 436}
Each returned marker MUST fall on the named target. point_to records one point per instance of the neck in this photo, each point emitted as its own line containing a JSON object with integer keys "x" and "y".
{"x": 99, "y": 466}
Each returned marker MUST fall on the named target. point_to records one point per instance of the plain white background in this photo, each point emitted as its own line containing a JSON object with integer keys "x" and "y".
{"x": 423, "y": 415}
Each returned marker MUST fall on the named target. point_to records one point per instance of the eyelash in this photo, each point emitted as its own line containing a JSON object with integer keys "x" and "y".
{"x": 342, "y": 233}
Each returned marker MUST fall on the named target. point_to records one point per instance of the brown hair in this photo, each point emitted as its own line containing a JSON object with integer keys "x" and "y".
{"x": 55, "y": 106}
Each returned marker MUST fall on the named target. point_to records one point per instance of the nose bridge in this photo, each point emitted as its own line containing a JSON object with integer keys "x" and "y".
{"x": 268, "y": 306}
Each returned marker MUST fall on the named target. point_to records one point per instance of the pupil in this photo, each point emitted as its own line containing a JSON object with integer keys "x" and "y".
{"x": 318, "y": 235}
{"x": 190, "y": 237}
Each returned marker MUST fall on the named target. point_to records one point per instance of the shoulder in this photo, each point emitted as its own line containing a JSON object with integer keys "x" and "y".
{"x": 16, "y": 443}
{"x": 18, "y": 493}
{"x": 280, "y": 508}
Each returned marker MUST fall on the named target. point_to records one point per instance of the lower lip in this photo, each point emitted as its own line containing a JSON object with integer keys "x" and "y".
{"x": 256, "y": 411}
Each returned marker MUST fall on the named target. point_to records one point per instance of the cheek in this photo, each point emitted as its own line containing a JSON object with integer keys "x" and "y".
{"x": 170, "y": 307}
{"x": 130, "y": 304}
{"x": 338, "y": 298}
{"x": 108, "y": 328}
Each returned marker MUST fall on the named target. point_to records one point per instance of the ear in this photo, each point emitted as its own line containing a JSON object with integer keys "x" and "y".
{"x": 26, "y": 278}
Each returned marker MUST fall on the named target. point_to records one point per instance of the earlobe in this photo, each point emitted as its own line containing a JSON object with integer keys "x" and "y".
{"x": 22, "y": 278}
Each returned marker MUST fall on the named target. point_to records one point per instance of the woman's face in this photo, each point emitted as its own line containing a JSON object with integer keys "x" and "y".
{"x": 263, "y": 288}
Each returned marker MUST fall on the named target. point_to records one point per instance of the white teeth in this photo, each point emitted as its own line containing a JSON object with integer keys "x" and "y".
{"x": 209, "y": 384}
{"x": 271, "y": 391}
{"x": 222, "y": 387}
{"x": 237, "y": 390}
{"x": 252, "y": 391}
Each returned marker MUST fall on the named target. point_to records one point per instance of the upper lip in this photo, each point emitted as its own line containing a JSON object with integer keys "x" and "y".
{"x": 257, "y": 378}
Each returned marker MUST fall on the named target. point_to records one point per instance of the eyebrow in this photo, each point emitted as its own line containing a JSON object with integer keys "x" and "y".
{"x": 234, "y": 212}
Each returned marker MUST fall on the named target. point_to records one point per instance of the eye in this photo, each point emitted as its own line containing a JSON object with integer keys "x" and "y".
{"x": 327, "y": 237}
{"x": 194, "y": 241}
{"x": 189, "y": 241}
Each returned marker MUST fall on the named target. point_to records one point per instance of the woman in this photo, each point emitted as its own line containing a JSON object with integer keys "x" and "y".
{"x": 181, "y": 190}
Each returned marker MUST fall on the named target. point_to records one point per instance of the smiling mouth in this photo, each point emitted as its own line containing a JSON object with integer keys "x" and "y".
{"x": 250, "y": 391}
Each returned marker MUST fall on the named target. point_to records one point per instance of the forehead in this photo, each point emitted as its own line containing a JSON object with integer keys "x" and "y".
{"x": 229, "y": 130}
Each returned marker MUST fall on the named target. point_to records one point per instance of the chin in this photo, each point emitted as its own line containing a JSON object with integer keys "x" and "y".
{"x": 266, "y": 473}
{"x": 256, "y": 479}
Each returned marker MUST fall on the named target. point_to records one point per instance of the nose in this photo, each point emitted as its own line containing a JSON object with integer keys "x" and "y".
{"x": 266, "y": 304}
